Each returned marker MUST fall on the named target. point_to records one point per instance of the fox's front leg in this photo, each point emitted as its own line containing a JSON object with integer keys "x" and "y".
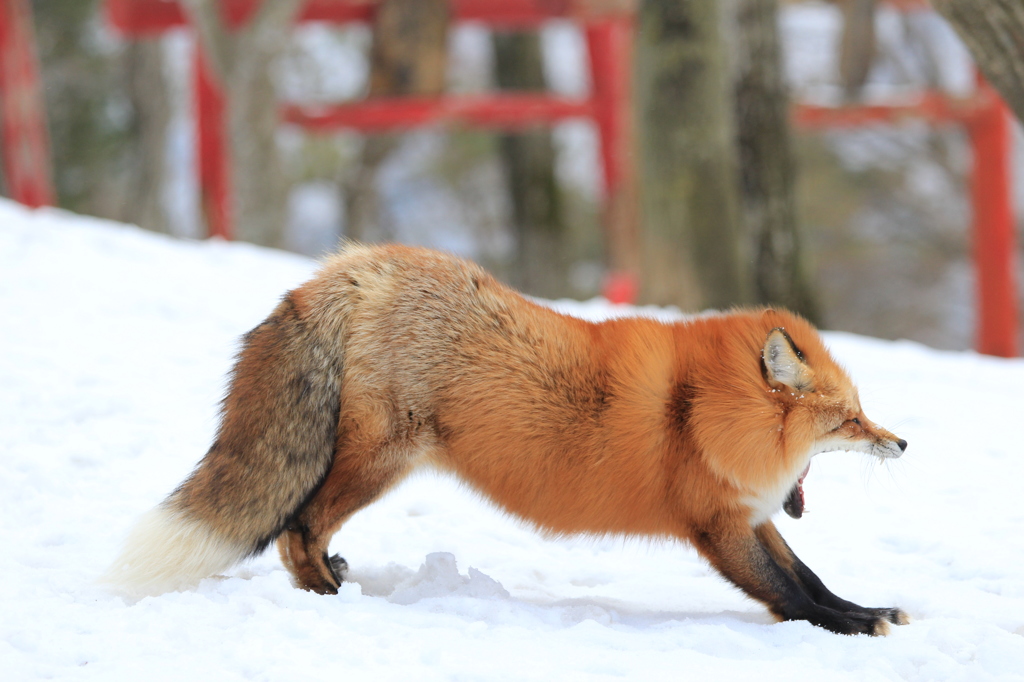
{"x": 773, "y": 541}
{"x": 741, "y": 558}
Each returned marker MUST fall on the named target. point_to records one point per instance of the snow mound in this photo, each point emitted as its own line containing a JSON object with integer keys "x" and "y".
{"x": 439, "y": 577}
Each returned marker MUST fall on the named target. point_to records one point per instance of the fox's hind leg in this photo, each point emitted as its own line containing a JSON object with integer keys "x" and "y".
{"x": 363, "y": 469}
{"x": 773, "y": 541}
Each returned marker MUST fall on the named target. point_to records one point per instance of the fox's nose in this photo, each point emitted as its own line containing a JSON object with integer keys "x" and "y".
{"x": 902, "y": 443}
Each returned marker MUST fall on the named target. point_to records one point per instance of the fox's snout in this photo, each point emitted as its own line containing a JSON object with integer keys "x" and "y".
{"x": 892, "y": 452}
{"x": 889, "y": 445}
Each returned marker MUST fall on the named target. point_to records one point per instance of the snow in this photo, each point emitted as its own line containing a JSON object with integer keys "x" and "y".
{"x": 115, "y": 345}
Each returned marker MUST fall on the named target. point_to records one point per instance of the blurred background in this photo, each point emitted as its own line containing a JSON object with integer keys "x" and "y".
{"x": 729, "y": 196}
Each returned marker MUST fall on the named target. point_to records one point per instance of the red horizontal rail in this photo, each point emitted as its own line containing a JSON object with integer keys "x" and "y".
{"x": 501, "y": 111}
{"x": 934, "y": 107}
{"x": 148, "y": 17}
{"x": 510, "y": 111}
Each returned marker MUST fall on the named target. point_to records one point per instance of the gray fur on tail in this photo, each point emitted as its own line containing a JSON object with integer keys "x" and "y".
{"x": 275, "y": 444}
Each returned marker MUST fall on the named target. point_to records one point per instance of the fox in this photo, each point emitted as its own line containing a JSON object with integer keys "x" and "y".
{"x": 394, "y": 358}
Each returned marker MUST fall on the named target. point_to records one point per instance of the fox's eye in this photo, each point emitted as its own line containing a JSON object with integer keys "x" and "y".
{"x": 856, "y": 421}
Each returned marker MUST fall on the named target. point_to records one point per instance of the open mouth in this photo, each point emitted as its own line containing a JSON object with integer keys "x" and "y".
{"x": 794, "y": 504}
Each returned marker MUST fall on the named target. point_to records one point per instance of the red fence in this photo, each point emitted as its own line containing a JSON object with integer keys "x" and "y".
{"x": 608, "y": 28}
{"x": 608, "y": 25}
{"x": 993, "y": 230}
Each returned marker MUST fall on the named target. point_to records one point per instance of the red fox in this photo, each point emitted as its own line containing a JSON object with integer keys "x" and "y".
{"x": 393, "y": 358}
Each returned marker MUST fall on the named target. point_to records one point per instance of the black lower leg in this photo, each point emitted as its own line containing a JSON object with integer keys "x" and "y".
{"x": 822, "y": 595}
{"x": 773, "y": 542}
{"x": 744, "y": 561}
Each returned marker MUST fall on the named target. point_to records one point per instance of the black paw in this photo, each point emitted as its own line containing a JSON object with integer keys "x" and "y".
{"x": 339, "y": 567}
{"x": 893, "y": 615}
{"x": 852, "y": 623}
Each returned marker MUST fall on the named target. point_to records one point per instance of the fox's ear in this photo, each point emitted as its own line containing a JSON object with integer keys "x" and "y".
{"x": 784, "y": 363}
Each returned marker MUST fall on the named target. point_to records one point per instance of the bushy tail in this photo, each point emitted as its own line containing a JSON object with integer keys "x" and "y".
{"x": 274, "y": 447}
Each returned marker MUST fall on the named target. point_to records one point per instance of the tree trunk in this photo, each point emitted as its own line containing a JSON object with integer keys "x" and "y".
{"x": 529, "y": 158}
{"x": 241, "y": 62}
{"x": 147, "y": 179}
{"x": 689, "y": 191}
{"x": 994, "y": 33}
{"x": 91, "y": 145}
{"x": 408, "y": 57}
{"x": 767, "y": 163}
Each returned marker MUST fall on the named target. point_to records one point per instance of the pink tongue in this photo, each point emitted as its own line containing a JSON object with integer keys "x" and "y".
{"x": 794, "y": 504}
{"x": 800, "y": 483}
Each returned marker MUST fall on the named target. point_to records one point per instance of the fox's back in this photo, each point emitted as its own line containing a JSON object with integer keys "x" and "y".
{"x": 422, "y": 320}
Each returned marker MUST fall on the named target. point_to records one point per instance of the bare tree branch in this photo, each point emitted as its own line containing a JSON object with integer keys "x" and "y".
{"x": 208, "y": 20}
{"x": 857, "y": 47}
{"x": 994, "y": 33}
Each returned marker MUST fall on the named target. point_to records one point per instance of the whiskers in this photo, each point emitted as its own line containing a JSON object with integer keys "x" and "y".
{"x": 884, "y": 473}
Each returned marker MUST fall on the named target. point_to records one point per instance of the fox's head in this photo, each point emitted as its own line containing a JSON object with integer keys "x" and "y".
{"x": 768, "y": 399}
{"x": 828, "y": 398}
{"x": 825, "y": 403}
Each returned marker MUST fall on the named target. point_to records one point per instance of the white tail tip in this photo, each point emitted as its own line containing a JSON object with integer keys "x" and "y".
{"x": 166, "y": 552}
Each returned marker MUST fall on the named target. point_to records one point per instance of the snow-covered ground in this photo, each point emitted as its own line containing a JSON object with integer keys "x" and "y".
{"x": 114, "y": 346}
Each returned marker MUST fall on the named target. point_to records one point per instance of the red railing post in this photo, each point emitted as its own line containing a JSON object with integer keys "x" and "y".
{"x": 26, "y": 144}
{"x": 993, "y": 228}
{"x": 213, "y": 151}
{"x": 610, "y": 48}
